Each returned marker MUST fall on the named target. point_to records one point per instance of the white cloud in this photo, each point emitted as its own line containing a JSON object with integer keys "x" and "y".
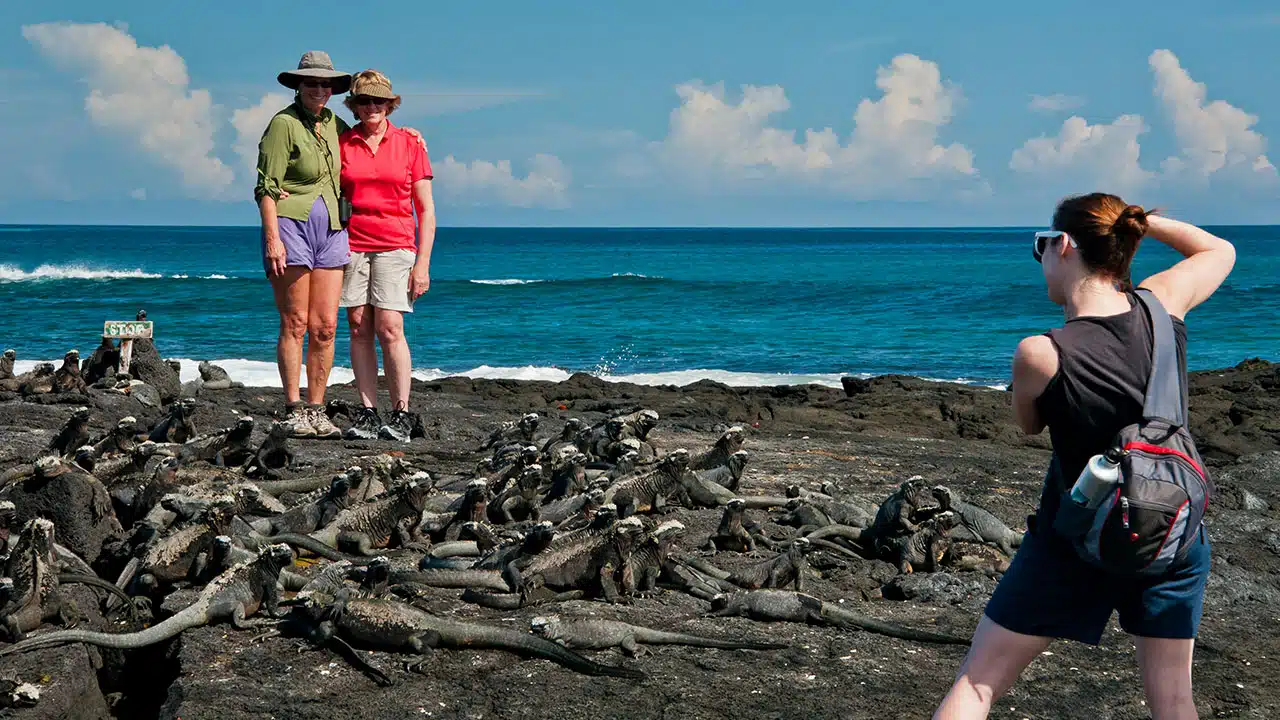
{"x": 138, "y": 194}
{"x": 1084, "y": 155}
{"x": 481, "y": 181}
{"x": 893, "y": 145}
{"x": 140, "y": 92}
{"x": 1055, "y": 103}
{"x": 1213, "y": 137}
{"x": 250, "y": 123}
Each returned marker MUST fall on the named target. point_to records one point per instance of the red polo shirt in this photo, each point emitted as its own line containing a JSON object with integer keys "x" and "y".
{"x": 380, "y": 186}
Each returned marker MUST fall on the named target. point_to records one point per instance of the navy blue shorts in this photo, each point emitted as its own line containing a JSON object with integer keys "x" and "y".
{"x": 1050, "y": 592}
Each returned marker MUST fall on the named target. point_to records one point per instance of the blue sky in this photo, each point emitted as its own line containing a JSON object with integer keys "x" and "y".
{"x": 662, "y": 113}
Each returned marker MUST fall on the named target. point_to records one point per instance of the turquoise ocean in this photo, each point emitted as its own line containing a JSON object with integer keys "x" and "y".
{"x": 655, "y": 306}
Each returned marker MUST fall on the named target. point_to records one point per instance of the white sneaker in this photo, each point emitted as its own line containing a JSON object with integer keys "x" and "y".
{"x": 299, "y": 422}
{"x": 321, "y": 425}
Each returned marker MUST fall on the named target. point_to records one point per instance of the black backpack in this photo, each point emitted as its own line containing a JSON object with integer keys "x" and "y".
{"x": 1153, "y": 515}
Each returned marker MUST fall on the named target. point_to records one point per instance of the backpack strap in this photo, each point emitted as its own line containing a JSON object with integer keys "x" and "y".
{"x": 1165, "y": 397}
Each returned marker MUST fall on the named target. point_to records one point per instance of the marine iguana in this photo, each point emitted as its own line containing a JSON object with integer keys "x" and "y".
{"x": 241, "y": 591}
{"x": 176, "y": 427}
{"x": 309, "y": 516}
{"x": 74, "y": 433}
{"x": 6, "y": 364}
{"x": 729, "y": 442}
{"x": 389, "y": 624}
{"x": 602, "y": 634}
{"x": 34, "y": 382}
{"x": 521, "y": 430}
{"x": 731, "y": 535}
{"x": 729, "y": 475}
{"x": 102, "y": 362}
{"x": 567, "y": 479}
{"x": 364, "y": 529}
{"x": 74, "y": 500}
{"x": 786, "y": 568}
{"x": 648, "y": 560}
{"x": 178, "y": 554}
{"x": 215, "y": 378}
{"x": 35, "y": 596}
{"x": 273, "y": 454}
{"x": 789, "y": 606}
{"x": 567, "y": 559}
{"x": 67, "y": 379}
{"x": 911, "y": 503}
{"x": 566, "y": 439}
{"x": 648, "y": 491}
{"x": 119, "y": 440}
{"x": 923, "y": 548}
{"x": 977, "y": 523}
{"x": 228, "y": 447}
{"x": 519, "y": 501}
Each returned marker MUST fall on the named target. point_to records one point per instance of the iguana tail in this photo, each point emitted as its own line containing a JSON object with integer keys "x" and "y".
{"x": 649, "y": 636}
{"x": 847, "y": 532}
{"x": 458, "y": 634}
{"x": 189, "y": 617}
{"x": 449, "y": 578}
{"x": 511, "y": 601}
{"x": 93, "y": 581}
{"x": 840, "y": 616}
{"x": 306, "y": 542}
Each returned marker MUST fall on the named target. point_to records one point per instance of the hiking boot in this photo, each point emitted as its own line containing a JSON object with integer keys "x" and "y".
{"x": 366, "y": 425}
{"x": 398, "y": 428}
{"x": 298, "y": 421}
{"x": 324, "y": 428}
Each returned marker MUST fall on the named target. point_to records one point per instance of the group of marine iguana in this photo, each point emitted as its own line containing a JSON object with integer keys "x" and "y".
{"x": 139, "y": 513}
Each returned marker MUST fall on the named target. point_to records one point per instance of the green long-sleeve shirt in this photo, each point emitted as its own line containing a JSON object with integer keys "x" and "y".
{"x": 291, "y": 158}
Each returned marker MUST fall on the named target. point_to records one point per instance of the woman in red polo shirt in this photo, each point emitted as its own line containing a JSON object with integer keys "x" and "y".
{"x": 387, "y": 176}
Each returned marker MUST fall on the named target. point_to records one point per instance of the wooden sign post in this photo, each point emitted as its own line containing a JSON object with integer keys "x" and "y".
{"x": 126, "y": 331}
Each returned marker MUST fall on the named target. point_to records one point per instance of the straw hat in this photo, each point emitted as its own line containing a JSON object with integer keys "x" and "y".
{"x": 372, "y": 84}
{"x": 315, "y": 64}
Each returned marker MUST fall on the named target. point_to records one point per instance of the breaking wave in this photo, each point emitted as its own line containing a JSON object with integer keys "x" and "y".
{"x": 258, "y": 373}
{"x": 46, "y": 273}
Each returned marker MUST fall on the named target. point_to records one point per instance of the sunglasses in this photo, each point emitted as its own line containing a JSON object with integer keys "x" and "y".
{"x": 369, "y": 101}
{"x": 316, "y": 84}
{"x": 1042, "y": 241}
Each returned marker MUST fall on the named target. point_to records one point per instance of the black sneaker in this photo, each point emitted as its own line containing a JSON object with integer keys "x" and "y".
{"x": 365, "y": 427}
{"x": 398, "y": 428}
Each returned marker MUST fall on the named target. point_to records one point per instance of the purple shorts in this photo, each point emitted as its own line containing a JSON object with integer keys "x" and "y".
{"x": 311, "y": 243}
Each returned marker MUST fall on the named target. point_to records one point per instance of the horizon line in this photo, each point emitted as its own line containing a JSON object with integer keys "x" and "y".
{"x": 613, "y": 227}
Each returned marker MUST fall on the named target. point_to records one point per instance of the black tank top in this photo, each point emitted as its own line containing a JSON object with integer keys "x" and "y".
{"x": 1103, "y": 365}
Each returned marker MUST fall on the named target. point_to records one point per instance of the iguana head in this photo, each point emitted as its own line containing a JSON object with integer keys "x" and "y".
{"x": 416, "y": 493}
{"x": 127, "y": 424}
{"x": 340, "y": 485}
{"x": 72, "y": 357}
{"x": 48, "y": 466}
{"x": 942, "y": 494}
{"x": 529, "y": 454}
{"x": 572, "y": 427}
{"x": 529, "y": 422}
{"x": 676, "y": 460}
{"x": 279, "y": 555}
{"x": 10, "y": 354}
{"x": 802, "y": 544}
{"x": 668, "y": 530}
{"x": 614, "y": 427}
{"x": 738, "y": 461}
{"x": 544, "y": 624}
{"x": 531, "y": 476}
{"x": 35, "y": 539}
{"x": 732, "y": 438}
{"x": 244, "y": 425}
{"x": 736, "y": 504}
{"x": 80, "y": 414}
{"x": 648, "y": 419}
{"x": 84, "y": 458}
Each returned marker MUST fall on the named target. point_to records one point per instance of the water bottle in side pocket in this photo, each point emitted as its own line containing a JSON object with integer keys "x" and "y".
{"x": 1098, "y": 478}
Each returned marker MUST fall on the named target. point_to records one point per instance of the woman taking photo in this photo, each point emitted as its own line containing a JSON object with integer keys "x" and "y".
{"x": 1085, "y": 381}
{"x": 387, "y": 176}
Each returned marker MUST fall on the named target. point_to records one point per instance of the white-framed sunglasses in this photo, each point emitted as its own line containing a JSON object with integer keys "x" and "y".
{"x": 1042, "y": 241}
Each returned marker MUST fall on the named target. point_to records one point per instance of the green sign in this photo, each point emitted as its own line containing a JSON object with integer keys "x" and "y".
{"x": 127, "y": 329}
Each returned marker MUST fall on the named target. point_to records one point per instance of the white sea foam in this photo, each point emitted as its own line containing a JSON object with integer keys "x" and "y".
{"x": 11, "y": 273}
{"x": 507, "y": 281}
{"x": 257, "y": 373}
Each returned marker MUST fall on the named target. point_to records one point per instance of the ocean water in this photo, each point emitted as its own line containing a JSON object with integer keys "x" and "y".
{"x": 742, "y": 306}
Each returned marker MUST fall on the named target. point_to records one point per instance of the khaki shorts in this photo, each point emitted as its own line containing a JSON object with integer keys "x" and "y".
{"x": 380, "y": 279}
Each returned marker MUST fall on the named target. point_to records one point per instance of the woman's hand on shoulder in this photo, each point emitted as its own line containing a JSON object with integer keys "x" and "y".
{"x": 417, "y": 135}
{"x": 1035, "y": 362}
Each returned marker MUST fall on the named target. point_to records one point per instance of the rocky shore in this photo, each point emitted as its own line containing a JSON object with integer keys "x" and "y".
{"x": 863, "y": 441}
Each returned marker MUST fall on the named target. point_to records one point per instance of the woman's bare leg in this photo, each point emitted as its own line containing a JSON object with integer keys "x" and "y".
{"x": 364, "y": 356}
{"x": 322, "y": 327}
{"x": 994, "y": 661}
{"x": 292, "y": 292}
{"x": 1166, "y": 676}
{"x": 389, "y": 325}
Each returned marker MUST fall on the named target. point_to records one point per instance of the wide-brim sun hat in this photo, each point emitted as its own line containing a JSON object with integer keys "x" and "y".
{"x": 315, "y": 64}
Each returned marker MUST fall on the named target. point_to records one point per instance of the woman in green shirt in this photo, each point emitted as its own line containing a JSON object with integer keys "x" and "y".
{"x": 304, "y": 239}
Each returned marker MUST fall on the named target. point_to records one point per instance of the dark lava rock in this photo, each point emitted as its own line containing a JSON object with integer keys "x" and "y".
{"x": 969, "y": 590}
{"x": 78, "y": 505}
{"x": 147, "y": 365}
{"x": 67, "y": 680}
